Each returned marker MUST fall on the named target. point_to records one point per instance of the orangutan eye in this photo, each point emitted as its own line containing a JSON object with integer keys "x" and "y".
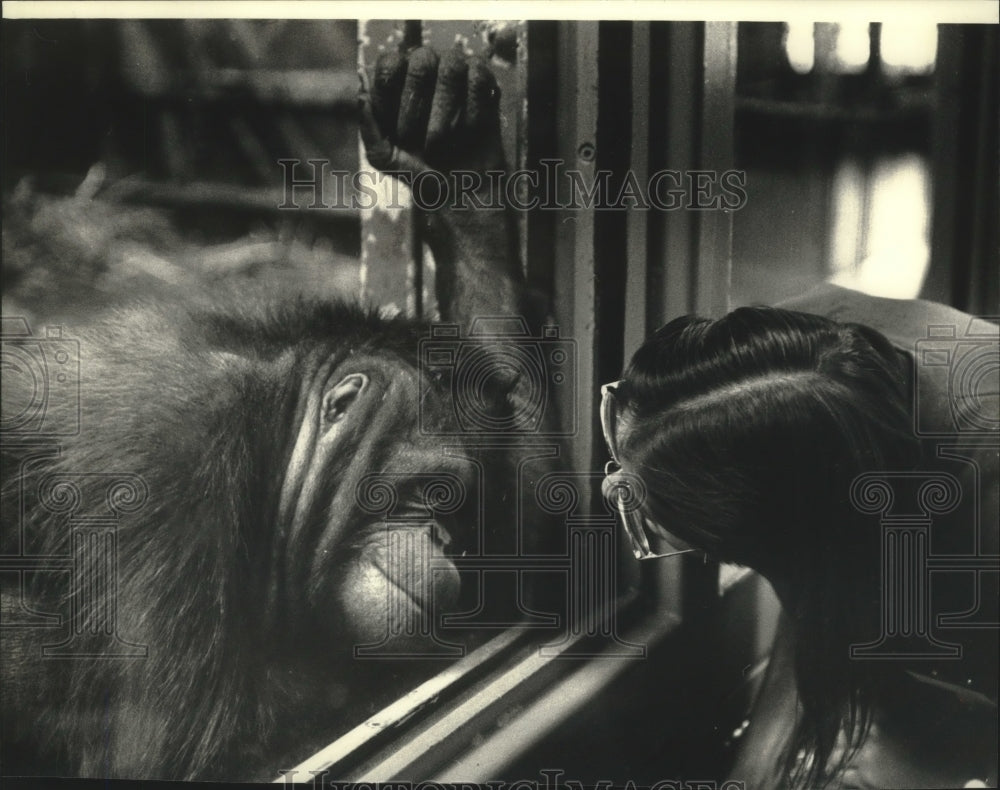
{"x": 339, "y": 400}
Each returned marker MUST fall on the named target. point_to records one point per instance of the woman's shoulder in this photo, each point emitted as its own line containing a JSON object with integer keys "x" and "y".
{"x": 903, "y": 321}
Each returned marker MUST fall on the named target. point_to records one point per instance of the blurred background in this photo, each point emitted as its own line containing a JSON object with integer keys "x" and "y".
{"x": 142, "y": 157}
{"x": 853, "y": 135}
{"x": 869, "y": 152}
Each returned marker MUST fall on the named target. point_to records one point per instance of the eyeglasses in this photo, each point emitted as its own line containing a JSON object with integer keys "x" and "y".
{"x": 625, "y": 497}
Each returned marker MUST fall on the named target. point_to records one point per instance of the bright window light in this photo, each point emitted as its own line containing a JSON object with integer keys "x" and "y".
{"x": 908, "y": 48}
{"x": 882, "y": 227}
{"x": 800, "y": 46}
{"x": 853, "y": 47}
{"x": 848, "y": 218}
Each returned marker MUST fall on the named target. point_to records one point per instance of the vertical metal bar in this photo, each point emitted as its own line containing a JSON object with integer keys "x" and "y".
{"x": 636, "y": 321}
{"x": 541, "y": 93}
{"x": 715, "y": 242}
{"x": 574, "y": 272}
{"x": 388, "y": 240}
{"x": 963, "y": 268}
{"x": 517, "y": 100}
{"x": 614, "y": 160}
{"x": 674, "y": 98}
{"x": 693, "y": 81}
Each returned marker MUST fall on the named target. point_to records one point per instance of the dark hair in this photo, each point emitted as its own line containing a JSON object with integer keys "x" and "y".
{"x": 748, "y": 432}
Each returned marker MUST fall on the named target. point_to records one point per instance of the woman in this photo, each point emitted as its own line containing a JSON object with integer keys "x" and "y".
{"x": 747, "y": 433}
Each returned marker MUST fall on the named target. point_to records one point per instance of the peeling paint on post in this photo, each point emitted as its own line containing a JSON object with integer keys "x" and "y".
{"x": 389, "y": 269}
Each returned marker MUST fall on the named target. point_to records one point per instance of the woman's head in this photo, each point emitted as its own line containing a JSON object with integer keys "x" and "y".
{"x": 748, "y": 430}
{"x": 746, "y": 433}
